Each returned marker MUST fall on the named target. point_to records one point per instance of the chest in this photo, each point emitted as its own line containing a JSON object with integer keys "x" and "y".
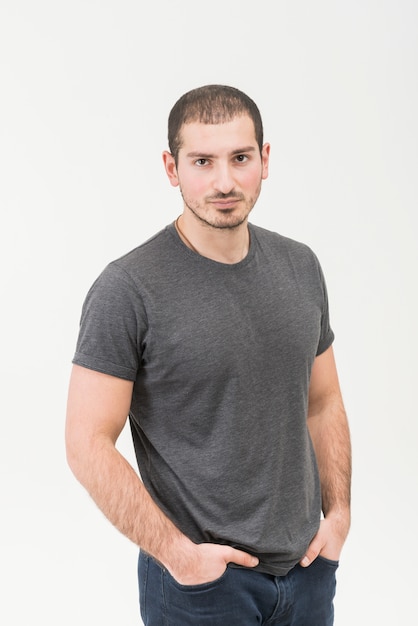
{"x": 226, "y": 323}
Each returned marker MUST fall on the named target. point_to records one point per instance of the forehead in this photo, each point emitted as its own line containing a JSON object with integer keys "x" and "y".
{"x": 227, "y": 136}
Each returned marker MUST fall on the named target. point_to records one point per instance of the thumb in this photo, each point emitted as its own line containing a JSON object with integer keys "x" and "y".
{"x": 311, "y": 553}
{"x": 242, "y": 558}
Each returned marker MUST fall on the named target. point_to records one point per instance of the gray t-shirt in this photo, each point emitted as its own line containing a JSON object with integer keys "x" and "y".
{"x": 220, "y": 356}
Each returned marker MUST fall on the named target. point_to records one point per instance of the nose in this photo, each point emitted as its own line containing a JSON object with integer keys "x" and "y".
{"x": 224, "y": 180}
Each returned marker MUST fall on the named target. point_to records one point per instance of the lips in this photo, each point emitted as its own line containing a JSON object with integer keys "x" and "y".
{"x": 225, "y": 203}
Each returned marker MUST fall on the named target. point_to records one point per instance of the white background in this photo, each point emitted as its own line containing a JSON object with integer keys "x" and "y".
{"x": 86, "y": 87}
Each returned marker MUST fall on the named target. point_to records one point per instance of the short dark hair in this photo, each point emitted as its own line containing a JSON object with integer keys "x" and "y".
{"x": 211, "y": 104}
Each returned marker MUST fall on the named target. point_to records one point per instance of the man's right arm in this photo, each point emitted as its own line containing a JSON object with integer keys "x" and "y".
{"x": 97, "y": 410}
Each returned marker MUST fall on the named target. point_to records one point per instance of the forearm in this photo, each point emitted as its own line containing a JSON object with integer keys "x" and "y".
{"x": 331, "y": 440}
{"x": 120, "y": 494}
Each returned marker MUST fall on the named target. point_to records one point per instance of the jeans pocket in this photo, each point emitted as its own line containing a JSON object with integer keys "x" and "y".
{"x": 212, "y": 584}
{"x": 330, "y": 562}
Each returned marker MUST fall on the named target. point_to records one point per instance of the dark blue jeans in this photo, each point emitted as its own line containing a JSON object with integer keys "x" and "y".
{"x": 240, "y": 597}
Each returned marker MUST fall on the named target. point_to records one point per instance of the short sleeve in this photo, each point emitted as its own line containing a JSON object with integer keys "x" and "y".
{"x": 113, "y": 325}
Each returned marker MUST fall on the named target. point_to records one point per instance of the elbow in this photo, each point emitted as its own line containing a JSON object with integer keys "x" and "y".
{"x": 84, "y": 450}
{"x": 72, "y": 451}
{"x": 77, "y": 453}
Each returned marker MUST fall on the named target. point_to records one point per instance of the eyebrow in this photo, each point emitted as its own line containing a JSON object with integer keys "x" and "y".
{"x": 203, "y": 155}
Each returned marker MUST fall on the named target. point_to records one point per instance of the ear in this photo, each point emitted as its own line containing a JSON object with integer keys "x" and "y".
{"x": 265, "y": 155}
{"x": 170, "y": 168}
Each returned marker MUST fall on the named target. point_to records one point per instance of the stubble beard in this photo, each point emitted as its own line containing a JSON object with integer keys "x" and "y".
{"x": 227, "y": 218}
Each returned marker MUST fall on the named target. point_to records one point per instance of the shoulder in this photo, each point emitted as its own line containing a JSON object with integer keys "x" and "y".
{"x": 150, "y": 251}
{"x": 292, "y": 256}
{"x": 280, "y": 244}
{"x": 143, "y": 263}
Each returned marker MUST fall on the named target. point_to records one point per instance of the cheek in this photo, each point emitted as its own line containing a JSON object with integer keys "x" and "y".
{"x": 252, "y": 182}
{"x": 193, "y": 187}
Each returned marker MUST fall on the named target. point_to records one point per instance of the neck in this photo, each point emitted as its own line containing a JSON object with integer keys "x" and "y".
{"x": 225, "y": 245}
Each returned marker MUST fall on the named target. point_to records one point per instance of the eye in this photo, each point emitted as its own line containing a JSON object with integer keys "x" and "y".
{"x": 242, "y": 158}
{"x": 201, "y": 162}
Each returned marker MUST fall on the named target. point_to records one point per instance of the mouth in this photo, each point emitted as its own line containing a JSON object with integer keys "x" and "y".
{"x": 225, "y": 203}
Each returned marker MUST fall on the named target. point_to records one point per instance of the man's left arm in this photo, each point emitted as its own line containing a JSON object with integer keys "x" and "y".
{"x": 329, "y": 430}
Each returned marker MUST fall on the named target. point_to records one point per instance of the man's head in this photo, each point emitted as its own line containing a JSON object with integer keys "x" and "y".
{"x": 217, "y": 157}
{"x": 211, "y": 104}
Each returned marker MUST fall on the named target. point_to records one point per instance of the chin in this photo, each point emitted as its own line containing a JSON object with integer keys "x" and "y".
{"x": 227, "y": 218}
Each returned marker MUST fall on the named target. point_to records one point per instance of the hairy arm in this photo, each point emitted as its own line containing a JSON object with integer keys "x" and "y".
{"x": 329, "y": 430}
{"x": 97, "y": 410}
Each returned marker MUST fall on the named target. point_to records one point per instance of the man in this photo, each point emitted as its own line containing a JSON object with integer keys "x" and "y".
{"x": 214, "y": 337}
